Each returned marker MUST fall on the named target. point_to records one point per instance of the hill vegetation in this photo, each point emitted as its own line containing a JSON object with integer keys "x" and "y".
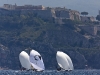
{"x": 22, "y": 32}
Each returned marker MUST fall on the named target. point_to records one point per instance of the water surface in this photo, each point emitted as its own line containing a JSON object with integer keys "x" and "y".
{"x": 50, "y": 72}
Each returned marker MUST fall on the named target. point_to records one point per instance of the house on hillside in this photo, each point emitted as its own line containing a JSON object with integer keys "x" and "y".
{"x": 56, "y": 14}
{"x": 67, "y": 14}
{"x": 87, "y": 19}
{"x": 30, "y": 7}
{"x": 63, "y": 13}
{"x": 9, "y": 6}
{"x": 25, "y": 7}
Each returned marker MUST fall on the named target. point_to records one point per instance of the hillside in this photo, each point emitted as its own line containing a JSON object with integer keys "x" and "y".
{"x": 25, "y": 32}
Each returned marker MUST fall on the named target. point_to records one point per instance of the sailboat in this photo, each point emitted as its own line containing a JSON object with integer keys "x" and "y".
{"x": 64, "y": 61}
{"x": 36, "y": 60}
{"x": 24, "y": 60}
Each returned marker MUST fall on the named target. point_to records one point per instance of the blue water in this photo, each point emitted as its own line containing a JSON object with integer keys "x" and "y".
{"x": 50, "y": 72}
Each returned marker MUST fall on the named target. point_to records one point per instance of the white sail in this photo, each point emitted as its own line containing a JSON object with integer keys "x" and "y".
{"x": 36, "y": 60}
{"x": 24, "y": 60}
{"x": 69, "y": 61}
{"x": 64, "y": 61}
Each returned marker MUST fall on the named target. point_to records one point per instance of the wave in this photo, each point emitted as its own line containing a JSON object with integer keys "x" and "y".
{"x": 50, "y": 72}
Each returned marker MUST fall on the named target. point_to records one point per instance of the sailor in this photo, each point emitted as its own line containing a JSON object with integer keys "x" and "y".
{"x": 32, "y": 68}
{"x": 22, "y": 68}
{"x": 58, "y": 68}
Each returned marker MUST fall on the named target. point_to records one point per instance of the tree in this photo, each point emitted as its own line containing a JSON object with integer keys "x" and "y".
{"x": 84, "y": 13}
{"x": 69, "y": 23}
{"x": 98, "y": 17}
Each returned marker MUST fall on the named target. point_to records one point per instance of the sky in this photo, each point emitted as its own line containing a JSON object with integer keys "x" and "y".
{"x": 90, "y": 6}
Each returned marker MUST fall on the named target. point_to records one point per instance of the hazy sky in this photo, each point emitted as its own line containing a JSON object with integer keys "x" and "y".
{"x": 91, "y": 6}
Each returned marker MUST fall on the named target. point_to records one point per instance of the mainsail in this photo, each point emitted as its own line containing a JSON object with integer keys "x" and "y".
{"x": 36, "y": 60}
{"x": 64, "y": 61}
{"x": 24, "y": 60}
{"x": 69, "y": 61}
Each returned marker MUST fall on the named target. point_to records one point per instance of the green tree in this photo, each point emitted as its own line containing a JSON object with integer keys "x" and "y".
{"x": 84, "y": 13}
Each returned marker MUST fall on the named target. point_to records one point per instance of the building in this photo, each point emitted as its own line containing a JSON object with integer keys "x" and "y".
{"x": 67, "y": 14}
{"x": 25, "y": 7}
{"x": 87, "y": 19}
{"x": 30, "y": 7}
{"x": 57, "y": 13}
{"x": 9, "y": 6}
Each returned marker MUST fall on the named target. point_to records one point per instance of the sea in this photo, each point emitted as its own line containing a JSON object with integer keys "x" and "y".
{"x": 50, "y": 72}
